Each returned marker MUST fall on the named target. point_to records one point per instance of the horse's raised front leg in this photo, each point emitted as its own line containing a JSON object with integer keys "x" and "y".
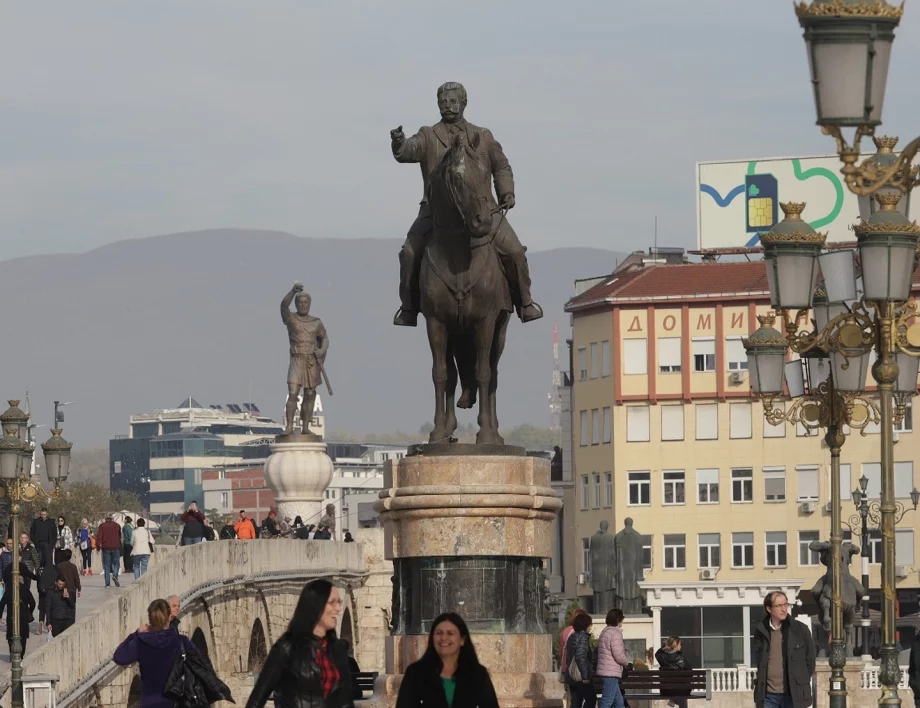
{"x": 437, "y": 340}
{"x": 488, "y": 431}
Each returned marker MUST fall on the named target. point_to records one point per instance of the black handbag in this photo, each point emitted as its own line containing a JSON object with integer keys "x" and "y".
{"x": 192, "y": 683}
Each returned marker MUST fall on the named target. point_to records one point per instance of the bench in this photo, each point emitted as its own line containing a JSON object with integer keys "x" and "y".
{"x": 366, "y": 680}
{"x": 649, "y": 685}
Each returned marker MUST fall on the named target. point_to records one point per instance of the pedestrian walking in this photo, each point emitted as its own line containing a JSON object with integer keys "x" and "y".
{"x": 580, "y": 664}
{"x": 449, "y": 674}
{"x": 62, "y": 608}
{"x": 127, "y": 540}
{"x": 269, "y": 525}
{"x": 108, "y": 542}
{"x": 64, "y": 540}
{"x": 784, "y": 656}
{"x": 68, "y": 571}
{"x": 45, "y": 584}
{"x": 913, "y": 669}
{"x": 245, "y": 528}
{"x": 175, "y": 604}
{"x": 564, "y": 638}
{"x": 26, "y": 605}
{"x": 43, "y": 533}
{"x": 193, "y": 526}
{"x": 671, "y": 658}
{"x": 85, "y": 544}
{"x": 141, "y": 550}
{"x": 611, "y": 660}
{"x": 31, "y": 557}
{"x": 308, "y": 665}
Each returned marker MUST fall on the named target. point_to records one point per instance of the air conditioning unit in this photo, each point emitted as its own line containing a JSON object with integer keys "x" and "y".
{"x": 901, "y": 571}
{"x": 708, "y": 573}
{"x": 582, "y": 579}
{"x": 737, "y": 377}
{"x": 808, "y": 507}
{"x": 829, "y": 507}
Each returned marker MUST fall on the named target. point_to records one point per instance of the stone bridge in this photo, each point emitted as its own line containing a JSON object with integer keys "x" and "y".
{"x": 237, "y": 599}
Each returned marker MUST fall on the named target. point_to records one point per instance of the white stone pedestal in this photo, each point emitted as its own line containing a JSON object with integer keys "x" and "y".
{"x": 299, "y": 473}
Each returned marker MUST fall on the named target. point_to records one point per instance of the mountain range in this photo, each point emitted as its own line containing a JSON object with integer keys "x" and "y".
{"x": 142, "y": 324}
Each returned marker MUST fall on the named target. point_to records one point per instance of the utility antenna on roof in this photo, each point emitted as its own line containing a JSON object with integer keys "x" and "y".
{"x": 656, "y": 234}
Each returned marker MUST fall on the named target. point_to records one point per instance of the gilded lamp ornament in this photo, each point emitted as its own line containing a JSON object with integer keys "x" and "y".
{"x": 791, "y": 249}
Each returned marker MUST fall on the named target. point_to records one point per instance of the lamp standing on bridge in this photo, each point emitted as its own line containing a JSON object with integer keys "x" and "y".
{"x": 18, "y": 484}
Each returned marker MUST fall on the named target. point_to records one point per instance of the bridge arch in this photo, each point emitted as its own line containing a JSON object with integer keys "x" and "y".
{"x": 347, "y": 632}
{"x": 134, "y": 692}
{"x": 198, "y": 639}
{"x": 258, "y": 648}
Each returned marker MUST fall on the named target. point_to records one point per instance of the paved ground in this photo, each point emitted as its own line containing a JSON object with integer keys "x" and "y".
{"x": 94, "y": 594}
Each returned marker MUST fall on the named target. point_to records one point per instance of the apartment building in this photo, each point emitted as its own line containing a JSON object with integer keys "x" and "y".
{"x": 666, "y": 432}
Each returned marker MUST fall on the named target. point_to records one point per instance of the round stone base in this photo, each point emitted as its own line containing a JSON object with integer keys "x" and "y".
{"x": 299, "y": 473}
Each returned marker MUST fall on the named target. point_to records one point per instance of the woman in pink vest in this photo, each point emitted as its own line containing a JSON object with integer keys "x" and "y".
{"x": 611, "y": 660}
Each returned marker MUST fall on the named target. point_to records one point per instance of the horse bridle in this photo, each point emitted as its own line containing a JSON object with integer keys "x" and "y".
{"x": 453, "y": 200}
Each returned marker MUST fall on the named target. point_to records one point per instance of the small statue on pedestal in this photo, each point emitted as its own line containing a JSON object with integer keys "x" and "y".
{"x": 309, "y": 344}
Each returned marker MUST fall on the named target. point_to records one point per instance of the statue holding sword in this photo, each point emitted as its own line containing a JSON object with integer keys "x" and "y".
{"x": 309, "y": 344}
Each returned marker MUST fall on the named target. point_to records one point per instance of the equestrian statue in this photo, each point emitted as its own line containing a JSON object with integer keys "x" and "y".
{"x": 462, "y": 266}
{"x": 851, "y": 590}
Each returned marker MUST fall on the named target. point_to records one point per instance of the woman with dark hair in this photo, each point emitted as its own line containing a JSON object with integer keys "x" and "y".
{"x": 308, "y": 665}
{"x": 578, "y": 652}
{"x": 449, "y": 674}
{"x": 671, "y": 658}
{"x": 611, "y": 660}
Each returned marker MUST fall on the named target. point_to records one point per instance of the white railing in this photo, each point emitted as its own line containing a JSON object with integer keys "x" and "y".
{"x": 868, "y": 677}
{"x": 739, "y": 679}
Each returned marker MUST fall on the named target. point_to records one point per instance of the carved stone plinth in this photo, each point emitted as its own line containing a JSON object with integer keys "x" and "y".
{"x": 299, "y": 473}
{"x": 468, "y": 533}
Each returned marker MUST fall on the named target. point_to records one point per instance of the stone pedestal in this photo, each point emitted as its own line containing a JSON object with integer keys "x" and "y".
{"x": 468, "y": 533}
{"x": 299, "y": 471}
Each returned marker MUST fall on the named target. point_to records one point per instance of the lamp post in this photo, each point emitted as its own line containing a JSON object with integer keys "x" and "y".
{"x": 16, "y": 452}
{"x": 866, "y": 511}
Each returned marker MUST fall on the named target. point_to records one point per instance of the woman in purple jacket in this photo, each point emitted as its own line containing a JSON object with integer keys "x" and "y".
{"x": 155, "y": 647}
{"x": 611, "y": 660}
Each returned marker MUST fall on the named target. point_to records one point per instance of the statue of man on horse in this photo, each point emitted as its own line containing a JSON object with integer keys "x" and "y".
{"x": 426, "y": 147}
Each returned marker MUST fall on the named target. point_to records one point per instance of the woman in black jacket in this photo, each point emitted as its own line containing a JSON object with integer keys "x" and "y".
{"x": 578, "y": 654}
{"x": 449, "y": 674}
{"x": 308, "y": 665}
{"x": 671, "y": 658}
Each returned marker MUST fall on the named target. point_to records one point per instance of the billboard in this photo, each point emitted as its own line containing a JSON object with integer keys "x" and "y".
{"x": 739, "y": 200}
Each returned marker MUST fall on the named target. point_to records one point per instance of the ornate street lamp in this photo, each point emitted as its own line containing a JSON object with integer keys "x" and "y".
{"x": 766, "y": 351}
{"x": 791, "y": 251}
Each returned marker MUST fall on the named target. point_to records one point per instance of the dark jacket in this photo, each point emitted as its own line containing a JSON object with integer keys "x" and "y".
{"x": 672, "y": 661}
{"x": 294, "y": 676}
{"x": 422, "y": 687}
{"x": 68, "y": 572}
{"x": 26, "y": 602}
{"x": 31, "y": 557}
{"x": 43, "y": 530}
{"x": 227, "y": 532}
{"x": 60, "y": 608}
{"x": 269, "y": 525}
{"x": 6, "y": 559}
{"x": 913, "y": 667}
{"x": 108, "y": 537}
{"x": 578, "y": 648}
{"x": 194, "y": 524}
{"x": 798, "y": 661}
{"x": 156, "y": 653}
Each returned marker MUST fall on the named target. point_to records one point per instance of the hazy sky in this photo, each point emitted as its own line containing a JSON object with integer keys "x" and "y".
{"x": 127, "y": 119}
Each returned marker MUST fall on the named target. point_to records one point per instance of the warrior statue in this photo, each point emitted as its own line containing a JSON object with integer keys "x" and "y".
{"x": 851, "y": 590}
{"x": 309, "y": 343}
{"x": 328, "y": 519}
{"x": 426, "y": 147}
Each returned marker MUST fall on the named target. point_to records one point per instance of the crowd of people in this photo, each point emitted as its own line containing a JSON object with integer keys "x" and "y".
{"x": 196, "y": 528}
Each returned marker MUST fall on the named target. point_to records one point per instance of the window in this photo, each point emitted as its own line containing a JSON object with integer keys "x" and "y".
{"x": 674, "y": 486}
{"x": 906, "y": 425}
{"x": 608, "y": 490}
{"x": 672, "y": 422}
{"x": 873, "y": 472}
{"x": 710, "y": 555}
{"x": 605, "y": 358}
{"x": 586, "y": 555}
{"x": 736, "y": 355}
{"x": 584, "y": 491}
{"x": 875, "y": 546}
{"x": 224, "y": 500}
{"x": 743, "y": 550}
{"x": 806, "y": 555}
{"x": 707, "y": 486}
{"x": 597, "y": 489}
{"x": 739, "y": 415}
{"x": 808, "y": 482}
{"x": 774, "y": 484}
{"x": 742, "y": 486}
{"x": 903, "y": 479}
{"x": 640, "y": 488}
{"x": 704, "y": 354}
{"x": 647, "y": 541}
{"x": 595, "y": 361}
{"x": 675, "y": 551}
{"x": 669, "y": 355}
{"x": 707, "y": 421}
{"x": 608, "y": 424}
{"x": 582, "y": 363}
{"x": 635, "y": 357}
{"x": 904, "y": 546}
{"x": 595, "y": 427}
{"x": 845, "y": 488}
{"x": 583, "y": 421}
{"x": 637, "y": 428}
{"x": 775, "y": 431}
{"x": 776, "y": 549}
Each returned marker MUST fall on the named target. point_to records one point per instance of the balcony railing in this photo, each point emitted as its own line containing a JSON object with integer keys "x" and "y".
{"x": 741, "y": 679}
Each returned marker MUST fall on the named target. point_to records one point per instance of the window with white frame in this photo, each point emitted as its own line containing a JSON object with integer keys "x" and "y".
{"x": 735, "y": 354}
{"x": 742, "y": 549}
{"x": 742, "y": 486}
{"x": 775, "y": 431}
{"x": 674, "y": 482}
{"x": 707, "y": 486}
{"x": 595, "y": 427}
{"x": 669, "y": 355}
{"x": 903, "y": 479}
{"x": 774, "y": 484}
{"x": 739, "y": 416}
{"x": 647, "y": 545}
{"x": 907, "y": 424}
{"x": 637, "y": 423}
{"x": 776, "y": 549}
{"x": 596, "y": 478}
{"x": 704, "y": 354}
{"x": 595, "y": 360}
{"x": 875, "y": 547}
{"x": 608, "y": 424}
{"x": 675, "y": 551}
{"x": 710, "y": 551}
{"x": 707, "y": 421}
{"x": 635, "y": 357}
{"x": 904, "y": 546}
{"x": 808, "y": 482}
{"x": 583, "y": 424}
{"x": 672, "y": 422}
{"x": 585, "y": 491}
{"x": 873, "y": 472}
{"x": 582, "y": 363}
{"x": 605, "y": 358}
{"x": 586, "y": 555}
{"x": 807, "y": 556}
{"x": 846, "y": 486}
{"x": 608, "y": 490}
{"x": 224, "y": 500}
{"x": 640, "y": 488}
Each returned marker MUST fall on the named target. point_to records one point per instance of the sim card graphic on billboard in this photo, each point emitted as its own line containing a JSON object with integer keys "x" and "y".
{"x": 761, "y": 197}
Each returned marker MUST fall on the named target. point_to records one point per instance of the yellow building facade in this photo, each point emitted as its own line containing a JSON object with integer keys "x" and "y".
{"x": 667, "y": 433}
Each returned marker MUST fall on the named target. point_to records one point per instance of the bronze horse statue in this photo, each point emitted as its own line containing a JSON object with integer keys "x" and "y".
{"x": 465, "y": 296}
{"x": 851, "y": 590}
